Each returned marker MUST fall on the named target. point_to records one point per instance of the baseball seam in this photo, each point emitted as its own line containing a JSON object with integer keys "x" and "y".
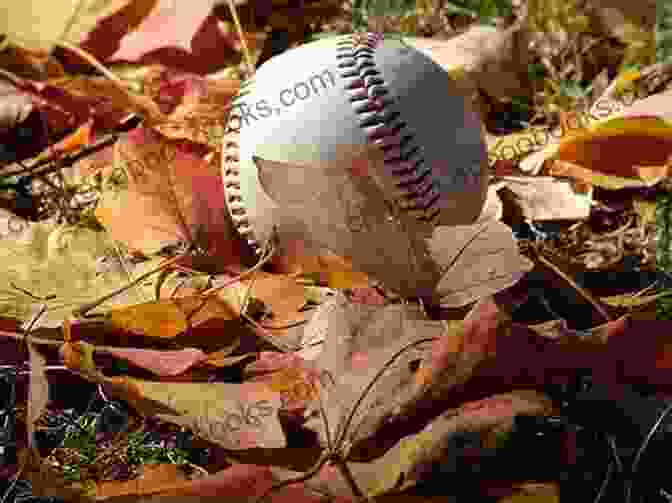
{"x": 383, "y": 128}
{"x": 371, "y": 103}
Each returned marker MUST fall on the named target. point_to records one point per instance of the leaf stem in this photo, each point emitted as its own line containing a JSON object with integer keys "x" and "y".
{"x": 81, "y": 311}
{"x": 584, "y": 293}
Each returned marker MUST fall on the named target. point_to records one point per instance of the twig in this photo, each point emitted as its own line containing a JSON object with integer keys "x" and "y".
{"x": 94, "y": 63}
{"x": 263, "y": 333}
{"x": 34, "y": 340}
{"x": 81, "y": 311}
{"x": 334, "y": 452}
{"x": 584, "y": 293}
{"x": 246, "y": 50}
{"x": 326, "y": 456}
{"x": 346, "y": 424}
{"x": 64, "y": 162}
{"x": 242, "y": 275}
{"x": 48, "y": 297}
{"x": 151, "y": 110}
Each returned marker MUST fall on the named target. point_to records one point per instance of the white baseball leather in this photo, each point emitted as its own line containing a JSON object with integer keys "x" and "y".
{"x": 316, "y": 103}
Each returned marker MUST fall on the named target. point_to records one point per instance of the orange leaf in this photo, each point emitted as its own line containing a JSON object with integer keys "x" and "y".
{"x": 175, "y": 194}
{"x": 616, "y": 146}
{"x": 167, "y": 318}
{"x": 75, "y": 140}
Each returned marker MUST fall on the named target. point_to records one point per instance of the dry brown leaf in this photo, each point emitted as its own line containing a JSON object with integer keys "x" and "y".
{"x": 614, "y": 15}
{"x": 409, "y": 461}
{"x": 547, "y": 198}
{"x": 452, "y": 265}
{"x": 108, "y": 92}
{"x": 360, "y": 340}
{"x": 15, "y": 106}
{"x": 297, "y": 386}
{"x": 475, "y": 261}
{"x": 350, "y": 215}
{"x": 415, "y": 455}
{"x": 483, "y": 57}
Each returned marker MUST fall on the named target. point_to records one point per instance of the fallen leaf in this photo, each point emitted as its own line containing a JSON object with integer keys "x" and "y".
{"x": 349, "y": 215}
{"x": 534, "y": 493}
{"x": 413, "y": 459}
{"x": 624, "y": 144}
{"x": 166, "y": 318}
{"x": 155, "y": 478}
{"x": 616, "y": 147}
{"x": 15, "y": 106}
{"x": 240, "y": 482}
{"x": 161, "y": 363}
{"x": 226, "y": 361}
{"x": 62, "y": 260}
{"x": 475, "y": 261}
{"x": 174, "y": 194}
{"x": 78, "y": 356}
{"x": 484, "y": 57}
{"x": 547, "y": 198}
{"x": 630, "y": 301}
{"x": 360, "y": 341}
{"x": 63, "y": 20}
{"x": 297, "y": 387}
{"x": 110, "y": 99}
{"x": 168, "y": 24}
{"x": 610, "y": 182}
{"x": 235, "y": 416}
{"x": 281, "y": 294}
{"x": 410, "y": 460}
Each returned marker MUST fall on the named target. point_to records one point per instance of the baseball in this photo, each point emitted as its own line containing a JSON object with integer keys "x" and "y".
{"x": 323, "y": 104}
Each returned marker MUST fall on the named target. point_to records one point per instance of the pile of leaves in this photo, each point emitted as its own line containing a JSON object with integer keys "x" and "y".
{"x": 147, "y": 353}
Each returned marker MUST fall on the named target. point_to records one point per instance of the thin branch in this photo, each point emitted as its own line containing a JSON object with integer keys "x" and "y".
{"x": 64, "y": 162}
{"x": 584, "y": 293}
{"x": 309, "y": 474}
{"x": 246, "y": 50}
{"x": 81, "y": 311}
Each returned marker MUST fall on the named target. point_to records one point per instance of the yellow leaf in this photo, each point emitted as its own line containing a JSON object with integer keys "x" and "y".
{"x": 79, "y": 356}
{"x": 646, "y": 211}
{"x": 534, "y": 493}
{"x": 347, "y": 279}
{"x": 166, "y": 318}
{"x": 38, "y": 25}
{"x": 625, "y": 80}
{"x": 162, "y": 318}
{"x": 632, "y": 300}
{"x": 235, "y": 416}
